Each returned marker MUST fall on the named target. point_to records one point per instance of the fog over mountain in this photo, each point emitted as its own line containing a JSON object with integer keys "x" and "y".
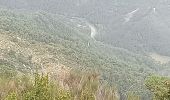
{"x": 125, "y": 41}
{"x": 138, "y": 25}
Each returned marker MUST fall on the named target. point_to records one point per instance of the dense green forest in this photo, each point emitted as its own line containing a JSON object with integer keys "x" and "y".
{"x": 54, "y": 44}
{"x": 137, "y": 25}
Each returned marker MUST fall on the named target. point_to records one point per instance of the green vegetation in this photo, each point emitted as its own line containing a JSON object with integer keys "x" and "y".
{"x": 42, "y": 88}
{"x": 159, "y": 86}
{"x": 42, "y": 40}
{"x": 132, "y": 96}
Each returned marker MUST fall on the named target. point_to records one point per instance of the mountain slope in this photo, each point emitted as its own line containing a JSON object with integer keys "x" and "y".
{"x": 47, "y": 41}
{"x": 146, "y": 29}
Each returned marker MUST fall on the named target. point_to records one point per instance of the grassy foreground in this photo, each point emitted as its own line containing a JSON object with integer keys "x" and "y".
{"x": 42, "y": 87}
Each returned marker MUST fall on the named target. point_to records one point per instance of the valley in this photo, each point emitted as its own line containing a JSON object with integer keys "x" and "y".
{"x": 45, "y": 41}
{"x": 92, "y": 45}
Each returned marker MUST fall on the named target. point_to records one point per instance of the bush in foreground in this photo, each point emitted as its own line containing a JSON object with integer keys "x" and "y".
{"x": 77, "y": 87}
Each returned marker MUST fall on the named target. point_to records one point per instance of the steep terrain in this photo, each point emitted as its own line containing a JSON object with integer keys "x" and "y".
{"x": 57, "y": 44}
{"x": 140, "y": 26}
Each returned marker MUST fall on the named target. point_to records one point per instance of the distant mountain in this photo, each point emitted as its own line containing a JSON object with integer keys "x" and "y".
{"x": 136, "y": 25}
{"x": 147, "y": 31}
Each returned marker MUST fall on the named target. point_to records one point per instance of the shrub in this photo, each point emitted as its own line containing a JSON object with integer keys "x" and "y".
{"x": 11, "y": 96}
{"x": 79, "y": 87}
{"x": 159, "y": 86}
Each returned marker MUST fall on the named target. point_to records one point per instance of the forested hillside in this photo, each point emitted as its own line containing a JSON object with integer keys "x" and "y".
{"x": 55, "y": 44}
{"x": 139, "y": 26}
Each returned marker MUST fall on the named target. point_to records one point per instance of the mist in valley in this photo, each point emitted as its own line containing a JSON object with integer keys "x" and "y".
{"x": 89, "y": 49}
